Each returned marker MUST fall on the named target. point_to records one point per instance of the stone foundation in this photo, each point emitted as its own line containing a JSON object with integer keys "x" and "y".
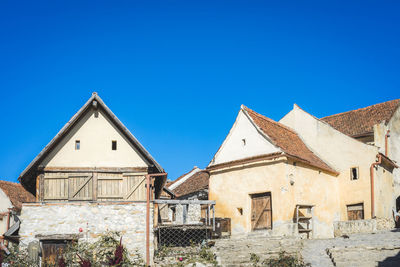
{"x": 362, "y": 226}
{"x": 44, "y": 221}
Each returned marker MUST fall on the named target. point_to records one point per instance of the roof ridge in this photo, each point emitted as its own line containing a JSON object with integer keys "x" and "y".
{"x": 9, "y": 182}
{"x": 359, "y": 109}
{"x": 270, "y": 120}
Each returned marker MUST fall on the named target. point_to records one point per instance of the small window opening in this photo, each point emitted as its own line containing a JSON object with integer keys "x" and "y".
{"x": 114, "y": 145}
{"x": 244, "y": 141}
{"x": 240, "y": 210}
{"x": 77, "y": 145}
{"x": 355, "y": 212}
{"x": 354, "y": 173}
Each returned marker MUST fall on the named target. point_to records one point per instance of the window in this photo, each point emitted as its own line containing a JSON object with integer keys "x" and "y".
{"x": 355, "y": 211}
{"x": 77, "y": 145}
{"x": 354, "y": 173}
{"x": 114, "y": 145}
{"x": 244, "y": 141}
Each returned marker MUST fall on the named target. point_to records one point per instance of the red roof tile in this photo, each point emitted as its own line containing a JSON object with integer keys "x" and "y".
{"x": 194, "y": 183}
{"x": 361, "y": 121}
{"x": 288, "y": 140}
{"x": 16, "y": 193}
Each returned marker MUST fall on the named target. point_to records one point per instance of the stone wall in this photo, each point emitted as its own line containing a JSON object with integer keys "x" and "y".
{"x": 128, "y": 218}
{"x": 362, "y": 226}
{"x": 193, "y": 214}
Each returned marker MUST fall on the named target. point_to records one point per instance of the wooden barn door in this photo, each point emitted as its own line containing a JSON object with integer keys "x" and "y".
{"x": 136, "y": 187}
{"x": 80, "y": 186}
{"x": 52, "y": 251}
{"x": 261, "y": 211}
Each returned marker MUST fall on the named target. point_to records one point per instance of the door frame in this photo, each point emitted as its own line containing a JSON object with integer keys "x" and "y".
{"x": 255, "y": 195}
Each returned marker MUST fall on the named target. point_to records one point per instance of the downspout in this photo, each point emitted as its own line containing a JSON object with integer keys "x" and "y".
{"x": 386, "y": 142}
{"x": 148, "y": 214}
{"x": 371, "y": 169}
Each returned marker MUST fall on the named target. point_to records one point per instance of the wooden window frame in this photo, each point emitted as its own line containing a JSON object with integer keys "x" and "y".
{"x": 354, "y": 206}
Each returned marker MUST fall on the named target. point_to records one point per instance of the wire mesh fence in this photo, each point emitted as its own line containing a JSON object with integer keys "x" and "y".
{"x": 185, "y": 222}
{"x": 183, "y": 235}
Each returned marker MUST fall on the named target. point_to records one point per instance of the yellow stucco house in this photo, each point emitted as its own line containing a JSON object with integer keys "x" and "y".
{"x": 298, "y": 176}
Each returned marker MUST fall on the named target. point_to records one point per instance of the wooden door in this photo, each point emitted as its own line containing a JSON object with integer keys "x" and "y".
{"x": 136, "y": 187}
{"x": 80, "y": 187}
{"x": 261, "y": 211}
{"x": 52, "y": 252}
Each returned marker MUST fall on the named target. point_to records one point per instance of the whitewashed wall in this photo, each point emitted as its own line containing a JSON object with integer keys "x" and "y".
{"x": 95, "y": 135}
{"x": 234, "y": 148}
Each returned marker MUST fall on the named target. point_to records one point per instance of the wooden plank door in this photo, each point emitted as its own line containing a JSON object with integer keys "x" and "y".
{"x": 136, "y": 187}
{"x": 80, "y": 187}
{"x": 110, "y": 186}
{"x": 52, "y": 252}
{"x": 261, "y": 211}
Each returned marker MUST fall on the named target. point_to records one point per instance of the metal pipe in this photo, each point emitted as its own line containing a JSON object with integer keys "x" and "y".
{"x": 148, "y": 214}
{"x": 213, "y": 208}
{"x": 386, "y": 142}
{"x": 148, "y": 220}
{"x": 371, "y": 169}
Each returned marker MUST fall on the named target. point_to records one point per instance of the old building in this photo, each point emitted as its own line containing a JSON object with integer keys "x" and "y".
{"x": 191, "y": 185}
{"x": 297, "y": 176}
{"x": 93, "y": 177}
{"x": 12, "y": 195}
{"x": 378, "y": 125}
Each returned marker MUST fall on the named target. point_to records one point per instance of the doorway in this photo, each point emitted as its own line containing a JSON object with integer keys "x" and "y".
{"x": 261, "y": 211}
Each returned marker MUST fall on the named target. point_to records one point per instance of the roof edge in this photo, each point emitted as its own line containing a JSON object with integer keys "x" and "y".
{"x": 72, "y": 122}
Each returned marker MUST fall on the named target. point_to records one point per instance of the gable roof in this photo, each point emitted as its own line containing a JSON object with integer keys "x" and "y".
{"x": 194, "y": 183}
{"x": 16, "y": 193}
{"x": 286, "y": 139}
{"x": 183, "y": 178}
{"x": 96, "y": 101}
{"x": 361, "y": 121}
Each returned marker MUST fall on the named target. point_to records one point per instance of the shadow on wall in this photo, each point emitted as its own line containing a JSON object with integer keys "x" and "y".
{"x": 393, "y": 261}
{"x": 397, "y": 209}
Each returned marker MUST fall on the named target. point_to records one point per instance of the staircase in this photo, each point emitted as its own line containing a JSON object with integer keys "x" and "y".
{"x": 238, "y": 251}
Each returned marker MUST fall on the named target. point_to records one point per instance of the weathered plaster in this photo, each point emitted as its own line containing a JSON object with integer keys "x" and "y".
{"x": 232, "y": 187}
{"x": 343, "y": 153}
{"x": 380, "y": 131}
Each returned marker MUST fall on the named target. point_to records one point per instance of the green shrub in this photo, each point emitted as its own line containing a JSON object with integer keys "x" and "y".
{"x": 283, "y": 260}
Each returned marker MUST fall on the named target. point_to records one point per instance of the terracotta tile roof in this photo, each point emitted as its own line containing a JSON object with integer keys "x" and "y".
{"x": 194, "y": 183}
{"x": 361, "y": 121}
{"x": 16, "y": 193}
{"x": 287, "y": 139}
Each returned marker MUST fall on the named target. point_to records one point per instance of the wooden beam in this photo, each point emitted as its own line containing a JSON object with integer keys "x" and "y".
{"x": 41, "y": 187}
{"x": 37, "y": 188}
{"x": 175, "y": 201}
{"x": 94, "y": 169}
{"x": 95, "y": 186}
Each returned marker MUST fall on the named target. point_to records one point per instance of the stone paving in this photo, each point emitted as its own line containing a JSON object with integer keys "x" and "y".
{"x": 358, "y": 250}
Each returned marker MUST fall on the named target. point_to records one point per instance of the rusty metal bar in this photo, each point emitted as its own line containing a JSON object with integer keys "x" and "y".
{"x": 148, "y": 214}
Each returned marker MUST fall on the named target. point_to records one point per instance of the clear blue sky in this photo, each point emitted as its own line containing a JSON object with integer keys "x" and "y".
{"x": 176, "y": 72}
